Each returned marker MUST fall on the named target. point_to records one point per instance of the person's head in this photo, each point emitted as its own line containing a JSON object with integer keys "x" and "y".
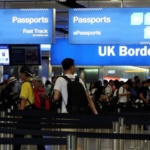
{"x": 100, "y": 82}
{"x": 97, "y": 85}
{"x": 47, "y": 82}
{"x": 127, "y": 84}
{"x": 117, "y": 84}
{"x": 92, "y": 86}
{"x": 129, "y": 80}
{"x": 111, "y": 83}
{"x": 54, "y": 80}
{"x": 105, "y": 82}
{"x": 136, "y": 78}
{"x": 12, "y": 80}
{"x": 147, "y": 83}
{"x": 143, "y": 82}
{"x": 138, "y": 82}
{"x": 68, "y": 66}
{"x": 25, "y": 73}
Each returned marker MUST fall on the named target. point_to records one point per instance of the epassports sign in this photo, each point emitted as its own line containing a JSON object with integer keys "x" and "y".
{"x": 109, "y": 26}
{"x": 27, "y": 26}
{"x": 96, "y": 55}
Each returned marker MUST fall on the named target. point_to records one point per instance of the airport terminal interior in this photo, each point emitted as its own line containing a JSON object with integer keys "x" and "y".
{"x": 109, "y": 41}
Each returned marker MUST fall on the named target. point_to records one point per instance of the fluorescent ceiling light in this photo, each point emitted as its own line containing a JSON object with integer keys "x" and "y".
{"x": 61, "y": 0}
{"x": 115, "y": 0}
{"x": 130, "y": 71}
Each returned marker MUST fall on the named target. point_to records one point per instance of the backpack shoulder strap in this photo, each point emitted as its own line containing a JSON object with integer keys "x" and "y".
{"x": 77, "y": 79}
{"x": 66, "y": 78}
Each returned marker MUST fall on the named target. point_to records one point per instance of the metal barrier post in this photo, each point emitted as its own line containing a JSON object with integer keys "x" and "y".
{"x": 98, "y": 141}
{"x": 2, "y": 135}
{"x": 132, "y": 141}
{"x": 58, "y": 146}
{"x": 71, "y": 142}
{"x": 8, "y": 147}
{"x": 54, "y": 146}
{"x": 28, "y": 146}
{"x": 11, "y": 135}
{"x": 86, "y": 141}
{"x": 148, "y": 148}
{"x": 141, "y": 142}
{"x": 121, "y": 142}
{"x": 115, "y": 141}
{"x": 136, "y": 132}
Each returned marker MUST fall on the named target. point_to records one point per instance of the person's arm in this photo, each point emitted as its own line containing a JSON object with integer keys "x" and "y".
{"x": 57, "y": 90}
{"x": 57, "y": 95}
{"x": 121, "y": 92}
{"x": 125, "y": 94}
{"x": 143, "y": 98}
{"x": 23, "y": 96}
{"x": 91, "y": 104}
{"x": 22, "y": 104}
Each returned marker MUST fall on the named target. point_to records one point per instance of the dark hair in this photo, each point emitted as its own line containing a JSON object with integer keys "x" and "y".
{"x": 129, "y": 80}
{"x": 138, "y": 81}
{"x": 117, "y": 84}
{"x": 90, "y": 88}
{"x": 26, "y": 70}
{"x": 143, "y": 82}
{"x": 47, "y": 82}
{"x": 53, "y": 78}
{"x": 67, "y": 63}
{"x": 122, "y": 83}
{"x": 148, "y": 81}
{"x": 105, "y": 82}
{"x": 97, "y": 85}
{"x": 129, "y": 83}
{"x": 136, "y": 77}
{"x": 110, "y": 81}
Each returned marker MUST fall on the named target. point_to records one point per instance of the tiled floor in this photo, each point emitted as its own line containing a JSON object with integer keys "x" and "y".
{"x": 105, "y": 144}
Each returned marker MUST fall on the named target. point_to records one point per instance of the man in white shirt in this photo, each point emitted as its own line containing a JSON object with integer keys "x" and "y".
{"x": 109, "y": 90}
{"x": 60, "y": 88}
{"x": 123, "y": 93}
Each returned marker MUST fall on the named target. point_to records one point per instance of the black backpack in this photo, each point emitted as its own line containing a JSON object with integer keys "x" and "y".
{"x": 116, "y": 98}
{"x": 77, "y": 98}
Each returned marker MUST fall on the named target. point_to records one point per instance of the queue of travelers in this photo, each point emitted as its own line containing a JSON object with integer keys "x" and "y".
{"x": 69, "y": 93}
{"x": 132, "y": 90}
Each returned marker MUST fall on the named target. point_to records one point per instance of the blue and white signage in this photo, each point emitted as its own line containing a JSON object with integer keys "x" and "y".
{"x": 96, "y": 55}
{"x": 109, "y": 26}
{"x": 27, "y": 26}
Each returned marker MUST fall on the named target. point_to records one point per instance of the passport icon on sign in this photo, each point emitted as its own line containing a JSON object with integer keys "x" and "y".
{"x": 137, "y": 18}
{"x": 147, "y": 32}
{"x": 147, "y": 19}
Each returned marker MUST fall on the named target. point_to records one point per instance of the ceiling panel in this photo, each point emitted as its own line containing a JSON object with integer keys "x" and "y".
{"x": 100, "y": 4}
{"x": 1, "y": 5}
{"x": 136, "y": 4}
{"x": 20, "y": 5}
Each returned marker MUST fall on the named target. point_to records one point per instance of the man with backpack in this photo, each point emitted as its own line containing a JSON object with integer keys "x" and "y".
{"x": 27, "y": 98}
{"x": 75, "y": 98}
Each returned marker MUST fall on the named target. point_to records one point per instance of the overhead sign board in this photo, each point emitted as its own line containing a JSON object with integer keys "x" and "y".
{"x": 27, "y": 26}
{"x": 99, "y": 55}
{"x": 109, "y": 26}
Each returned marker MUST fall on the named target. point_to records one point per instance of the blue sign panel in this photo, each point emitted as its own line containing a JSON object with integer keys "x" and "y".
{"x": 26, "y": 26}
{"x": 109, "y": 26}
{"x": 96, "y": 55}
